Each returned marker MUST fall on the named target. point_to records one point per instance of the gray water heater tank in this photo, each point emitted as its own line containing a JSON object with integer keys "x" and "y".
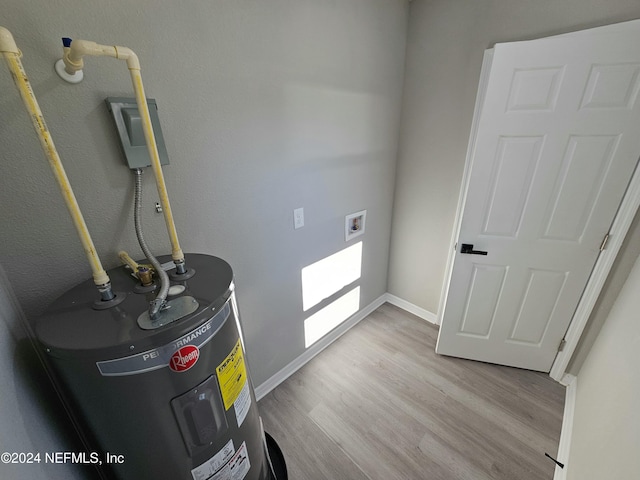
{"x": 174, "y": 402}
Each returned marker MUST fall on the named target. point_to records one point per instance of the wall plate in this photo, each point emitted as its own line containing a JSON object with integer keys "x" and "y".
{"x": 354, "y": 225}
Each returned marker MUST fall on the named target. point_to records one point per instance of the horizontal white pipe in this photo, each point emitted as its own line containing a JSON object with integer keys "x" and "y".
{"x": 79, "y": 48}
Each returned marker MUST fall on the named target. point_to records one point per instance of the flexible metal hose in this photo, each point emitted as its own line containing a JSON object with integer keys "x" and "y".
{"x": 161, "y": 298}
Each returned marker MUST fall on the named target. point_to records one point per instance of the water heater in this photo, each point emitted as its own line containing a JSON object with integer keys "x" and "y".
{"x": 172, "y": 401}
{"x": 153, "y": 369}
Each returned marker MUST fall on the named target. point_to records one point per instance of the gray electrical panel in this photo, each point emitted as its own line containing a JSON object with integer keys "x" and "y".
{"x": 129, "y": 125}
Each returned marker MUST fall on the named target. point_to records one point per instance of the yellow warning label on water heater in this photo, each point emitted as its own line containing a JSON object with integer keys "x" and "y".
{"x": 232, "y": 376}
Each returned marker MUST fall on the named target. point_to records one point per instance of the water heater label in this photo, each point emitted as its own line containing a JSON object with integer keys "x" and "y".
{"x": 232, "y": 375}
{"x": 235, "y": 469}
{"x": 239, "y": 464}
{"x": 242, "y": 404}
{"x": 213, "y": 465}
{"x": 179, "y": 355}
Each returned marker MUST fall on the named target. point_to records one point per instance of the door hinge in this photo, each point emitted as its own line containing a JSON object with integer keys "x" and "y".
{"x": 603, "y": 245}
{"x": 563, "y": 342}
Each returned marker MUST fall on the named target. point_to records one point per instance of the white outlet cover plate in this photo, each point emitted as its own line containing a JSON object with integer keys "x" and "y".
{"x": 354, "y": 224}
{"x": 298, "y": 218}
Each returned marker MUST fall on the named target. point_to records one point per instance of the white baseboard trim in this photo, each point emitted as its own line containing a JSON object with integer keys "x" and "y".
{"x": 265, "y": 387}
{"x": 571, "y": 382}
{"x": 411, "y": 308}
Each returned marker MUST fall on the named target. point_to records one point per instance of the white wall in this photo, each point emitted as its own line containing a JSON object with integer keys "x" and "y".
{"x": 265, "y": 106}
{"x": 444, "y": 54}
{"x": 606, "y": 422}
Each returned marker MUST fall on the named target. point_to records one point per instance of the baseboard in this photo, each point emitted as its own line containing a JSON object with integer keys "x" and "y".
{"x": 411, "y": 308}
{"x": 571, "y": 382}
{"x": 265, "y": 387}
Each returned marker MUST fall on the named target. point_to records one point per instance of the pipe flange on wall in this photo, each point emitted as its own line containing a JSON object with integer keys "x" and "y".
{"x": 62, "y": 73}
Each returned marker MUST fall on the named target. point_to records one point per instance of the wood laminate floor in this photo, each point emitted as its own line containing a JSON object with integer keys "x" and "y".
{"x": 379, "y": 404}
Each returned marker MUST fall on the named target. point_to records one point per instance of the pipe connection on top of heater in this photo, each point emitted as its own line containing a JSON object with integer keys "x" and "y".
{"x": 12, "y": 54}
{"x": 71, "y": 65}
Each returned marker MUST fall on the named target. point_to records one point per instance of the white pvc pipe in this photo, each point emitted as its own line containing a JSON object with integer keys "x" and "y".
{"x": 12, "y": 54}
{"x": 79, "y": 48}
{"x": 127, "y": 260}
{"x": 73, "y": 62}
{"x": 7, "y": 43}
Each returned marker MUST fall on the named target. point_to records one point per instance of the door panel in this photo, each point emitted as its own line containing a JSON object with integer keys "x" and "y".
{"x": 534, "y": 89}
{"x": 537, "y": 304}
{"x": 515, "y": 164}
{"x": 484, "y": 293}
{"x": 584, "y": 169}
{"x": 612, "y": 86}
{"x": 556, "y": 143}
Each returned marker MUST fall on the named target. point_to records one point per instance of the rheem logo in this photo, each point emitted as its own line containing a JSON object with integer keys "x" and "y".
{"x": 185, "y": 358}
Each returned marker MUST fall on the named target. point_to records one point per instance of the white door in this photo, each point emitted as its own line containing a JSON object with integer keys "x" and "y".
{"x": 557, "y": 141}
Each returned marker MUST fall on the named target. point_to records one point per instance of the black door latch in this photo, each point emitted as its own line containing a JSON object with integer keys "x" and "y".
{"x": 468, "y": 248}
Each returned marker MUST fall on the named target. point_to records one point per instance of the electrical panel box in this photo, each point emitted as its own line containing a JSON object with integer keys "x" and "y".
{"x": 129, "y": 125}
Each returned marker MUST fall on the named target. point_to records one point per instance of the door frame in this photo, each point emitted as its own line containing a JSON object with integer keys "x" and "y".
{"x": 619, "y": 228}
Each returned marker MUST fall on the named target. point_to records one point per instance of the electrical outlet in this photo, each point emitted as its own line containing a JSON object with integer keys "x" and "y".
{"x": 298, "y": 218}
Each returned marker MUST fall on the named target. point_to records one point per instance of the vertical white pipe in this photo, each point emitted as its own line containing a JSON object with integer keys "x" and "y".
{"x": 12, "y": 56}
{"x": 176, "y": 254}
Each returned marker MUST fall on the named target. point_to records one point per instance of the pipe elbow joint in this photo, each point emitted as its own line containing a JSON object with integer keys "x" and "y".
{"x": 125, "y": 53}
{"x": 80, "y": 48}
{"x": 7, "y": 43}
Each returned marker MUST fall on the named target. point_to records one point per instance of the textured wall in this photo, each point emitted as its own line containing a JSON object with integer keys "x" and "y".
{"x": 265, "y": 106}
{"x": 444, "y": 54}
